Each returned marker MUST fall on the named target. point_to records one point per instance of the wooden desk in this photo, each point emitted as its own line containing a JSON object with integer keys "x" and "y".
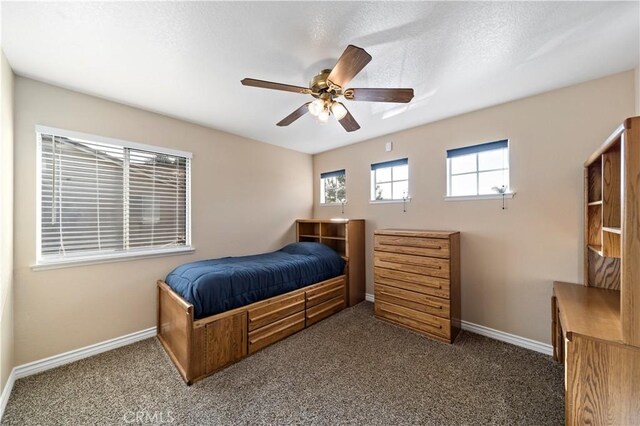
{"x": 602, "y": 374}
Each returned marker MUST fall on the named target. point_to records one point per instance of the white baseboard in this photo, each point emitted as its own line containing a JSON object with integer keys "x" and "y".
{"x": 6, "y": 392}
{"x": 68, "y": 357}
{"x": 523, "y": 342}
{"x": 78, "y": 354}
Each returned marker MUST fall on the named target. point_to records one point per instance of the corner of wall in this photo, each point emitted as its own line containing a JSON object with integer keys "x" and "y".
{"x": 6, "y": 221}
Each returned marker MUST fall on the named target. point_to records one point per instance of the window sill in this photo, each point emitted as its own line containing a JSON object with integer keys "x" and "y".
{"x": 331, "y": 204}
{"x": 387, "y": 201}
{"x": 480, "y": 197}
{"x": 120, "y": 257}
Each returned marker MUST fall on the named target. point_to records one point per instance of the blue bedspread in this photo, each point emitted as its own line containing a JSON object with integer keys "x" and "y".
{"x": 218, "y": 285}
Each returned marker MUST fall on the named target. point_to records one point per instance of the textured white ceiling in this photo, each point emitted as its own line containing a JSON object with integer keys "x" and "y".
{"x": 186, "y": 59}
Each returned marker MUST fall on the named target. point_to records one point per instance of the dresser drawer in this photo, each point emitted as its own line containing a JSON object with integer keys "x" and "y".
{"x": 273, "y": 332}
{"x": 420, "y": 246}
{"x": 410, "y": 299}
{"x": 324, "y": 309}
{"x": 322, "y": 293}
{"x": 424, "y": 284}
{"x": 432, "y": 266}
{"x": 271, "y": 310}
{"x": 418, "y": 321}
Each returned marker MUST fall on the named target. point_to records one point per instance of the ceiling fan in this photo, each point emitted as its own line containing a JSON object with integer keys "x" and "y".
{"x": 329, "y": 85}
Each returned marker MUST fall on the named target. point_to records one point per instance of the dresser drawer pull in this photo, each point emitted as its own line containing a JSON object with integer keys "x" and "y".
{"x": 426, "y": 302}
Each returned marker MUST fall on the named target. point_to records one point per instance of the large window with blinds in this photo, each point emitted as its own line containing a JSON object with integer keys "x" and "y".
{"x": 105, "y": 198}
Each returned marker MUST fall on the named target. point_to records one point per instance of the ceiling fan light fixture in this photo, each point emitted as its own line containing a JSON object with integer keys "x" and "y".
{"x": 316, "y": 107}
{"x": 338, "y": 110}
{"x": 323, "y": 116}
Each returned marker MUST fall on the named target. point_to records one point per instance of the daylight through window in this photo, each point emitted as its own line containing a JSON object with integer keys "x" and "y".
{"x": 100, "y": 199}
{"x": 478, "y": 170}
{"x": 390, "y": 180}
{"x": 332, "y": 187}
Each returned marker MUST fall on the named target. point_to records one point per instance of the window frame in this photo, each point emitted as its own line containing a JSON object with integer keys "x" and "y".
{"x": 373, "y": 182}
{"x": 79, "y": 259}
{"x": 322, "y": 187}
{"x": 476, "y": 149}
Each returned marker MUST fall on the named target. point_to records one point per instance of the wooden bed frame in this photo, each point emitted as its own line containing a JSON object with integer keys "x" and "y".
{"x": 201, "y": 347}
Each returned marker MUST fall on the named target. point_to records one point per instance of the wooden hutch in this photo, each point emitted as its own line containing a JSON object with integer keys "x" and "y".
{"x": 346, "y": 236}
{"x": 596, "y": 327}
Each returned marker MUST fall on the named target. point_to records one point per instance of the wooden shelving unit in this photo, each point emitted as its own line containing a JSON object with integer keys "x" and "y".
{"x": 345, "y": 236}
{"x": 596, "y": 327}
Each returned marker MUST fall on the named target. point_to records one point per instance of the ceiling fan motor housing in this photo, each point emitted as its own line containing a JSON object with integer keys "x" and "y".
{"x": 319, "y": 84}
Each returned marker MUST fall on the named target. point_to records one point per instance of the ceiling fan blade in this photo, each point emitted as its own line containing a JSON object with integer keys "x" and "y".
{"x": 349, "y": 123}
{"x": 294, "y": 115}
{"x": 275, "y": 86}
{"x": 379, "y": 95}
{"x": 350, "y": 63}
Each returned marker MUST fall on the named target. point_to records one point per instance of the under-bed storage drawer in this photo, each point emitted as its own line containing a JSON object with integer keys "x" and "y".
{"x": 274, "y": 309}
{"x": 321, "y": 293}
{"x": 410, "y": 299}
{"x": 273, "y": 332}
{"x": 418, "y": 321}
{"x": 324, "y": 309}
{"x": 434, "y": 247}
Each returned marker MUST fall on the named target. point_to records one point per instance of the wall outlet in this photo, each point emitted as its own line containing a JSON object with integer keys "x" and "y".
{"x": 388, "y": 146}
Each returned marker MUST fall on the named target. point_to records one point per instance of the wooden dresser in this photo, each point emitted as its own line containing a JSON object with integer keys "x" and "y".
{"x": 417, "y": 280}
{"x": 596, "y": 326}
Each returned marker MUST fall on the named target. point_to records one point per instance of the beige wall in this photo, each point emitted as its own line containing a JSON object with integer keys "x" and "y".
{"x": 510, "y": 257}
{"x": 245, "y": 198}
{"x": 6, "y": 220}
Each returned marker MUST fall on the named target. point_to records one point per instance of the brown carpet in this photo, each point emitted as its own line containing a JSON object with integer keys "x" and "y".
{"x": 350, "y": 368}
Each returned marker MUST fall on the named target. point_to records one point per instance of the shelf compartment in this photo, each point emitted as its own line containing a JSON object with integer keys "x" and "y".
{"x": 611, "y": 189}
{"x": 594, "y": 182}
{"x": 333, "y": 230}
{"x": 339, "y": 245}
{"x": 594, "y": 225}
{"x": 309, "y": 239}
{"x": 603, "y": 272}
{"x": 308, "y": 229}
{"x": 611, "y": 242}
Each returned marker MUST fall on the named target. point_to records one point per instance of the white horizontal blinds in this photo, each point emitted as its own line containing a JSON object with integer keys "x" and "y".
{"x": 101, "y": 198}
{"x": 157, "y": 199}
{"x": 82, "y": 197}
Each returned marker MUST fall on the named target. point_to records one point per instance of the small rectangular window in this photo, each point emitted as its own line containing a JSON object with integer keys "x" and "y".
{"x": 390, "y": 180}
{"x": 332, "y": 187}
{"x": 103, "y": 198}
{"x": 478, "y": 170}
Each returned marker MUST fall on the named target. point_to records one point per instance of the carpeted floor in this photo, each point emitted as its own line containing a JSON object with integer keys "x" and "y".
{"x": 350, "y": 368}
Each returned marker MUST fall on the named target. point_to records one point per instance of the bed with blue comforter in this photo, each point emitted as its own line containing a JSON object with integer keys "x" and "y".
{"x": 218, "y": 285}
